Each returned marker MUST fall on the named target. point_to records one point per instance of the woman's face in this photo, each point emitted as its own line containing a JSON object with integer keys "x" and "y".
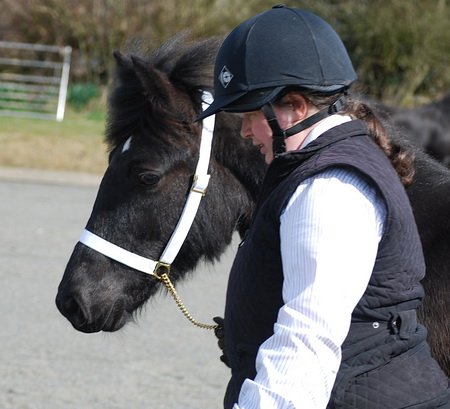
{"x": 255, "y": 127}
{"x": 292, "y": 109}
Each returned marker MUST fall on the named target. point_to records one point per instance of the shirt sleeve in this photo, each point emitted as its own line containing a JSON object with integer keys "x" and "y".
{"x": 329, "y": 232}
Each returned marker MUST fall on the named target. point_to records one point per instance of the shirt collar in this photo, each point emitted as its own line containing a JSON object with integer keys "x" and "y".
{"x": 323, "y": 126}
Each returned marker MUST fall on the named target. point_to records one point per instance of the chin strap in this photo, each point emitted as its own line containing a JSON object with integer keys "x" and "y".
{"x": 279, "y": 135}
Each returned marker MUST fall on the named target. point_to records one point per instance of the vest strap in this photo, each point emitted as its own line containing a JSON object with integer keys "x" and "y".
{"x": 404, "y": 323}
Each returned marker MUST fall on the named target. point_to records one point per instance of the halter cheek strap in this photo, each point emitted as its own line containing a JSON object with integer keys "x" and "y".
{"x": 279, "y": 135}
{"x": 197, "y": 191}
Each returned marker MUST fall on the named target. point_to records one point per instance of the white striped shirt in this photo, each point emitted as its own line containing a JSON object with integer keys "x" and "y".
{"x": 329, "y": 232}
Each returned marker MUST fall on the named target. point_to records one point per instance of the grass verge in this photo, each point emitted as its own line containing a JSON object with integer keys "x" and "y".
{"x": 76, "y": 144}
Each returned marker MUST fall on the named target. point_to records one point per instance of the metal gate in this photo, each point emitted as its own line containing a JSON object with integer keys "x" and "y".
{"x": 33, "y": 80}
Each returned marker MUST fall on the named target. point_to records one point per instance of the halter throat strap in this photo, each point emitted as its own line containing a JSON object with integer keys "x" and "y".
{"x": 279, "y": 135}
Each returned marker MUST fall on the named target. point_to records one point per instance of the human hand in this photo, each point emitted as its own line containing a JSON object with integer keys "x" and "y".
{"x": 219, "y": 332}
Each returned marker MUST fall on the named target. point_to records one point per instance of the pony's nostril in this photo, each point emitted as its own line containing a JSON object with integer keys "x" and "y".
{"x": 72, "y": 310}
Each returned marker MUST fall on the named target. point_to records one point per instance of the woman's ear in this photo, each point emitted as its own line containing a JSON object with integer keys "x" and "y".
{"x": 300, "y": 105}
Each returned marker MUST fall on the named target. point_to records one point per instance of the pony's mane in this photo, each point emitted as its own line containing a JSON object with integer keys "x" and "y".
{"x": 143, "y": 80}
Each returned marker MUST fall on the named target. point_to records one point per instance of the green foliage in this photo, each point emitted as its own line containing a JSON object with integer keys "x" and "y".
{"x": 401, "y": 48}
{"x": 79, "y": 95}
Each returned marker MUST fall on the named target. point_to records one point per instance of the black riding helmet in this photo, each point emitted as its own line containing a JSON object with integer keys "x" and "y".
{"x": 278, "y": 49}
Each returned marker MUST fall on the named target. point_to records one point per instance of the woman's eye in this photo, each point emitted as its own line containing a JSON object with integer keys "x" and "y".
{"x": 148, "y": 178}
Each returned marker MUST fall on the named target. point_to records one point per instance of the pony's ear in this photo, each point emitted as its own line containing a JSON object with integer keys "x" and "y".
{"x": 119, "y": 57}
{"x": 155, "y": 83}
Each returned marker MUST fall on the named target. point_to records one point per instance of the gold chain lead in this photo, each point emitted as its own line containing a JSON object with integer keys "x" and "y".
{"x": 166, "y": 280}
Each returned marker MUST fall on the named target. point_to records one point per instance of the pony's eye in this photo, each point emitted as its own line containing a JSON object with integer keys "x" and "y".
{"x": 148, "y": 178}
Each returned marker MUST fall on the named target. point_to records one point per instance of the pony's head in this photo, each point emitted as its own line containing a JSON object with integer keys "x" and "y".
{"x": 154, "y": 147}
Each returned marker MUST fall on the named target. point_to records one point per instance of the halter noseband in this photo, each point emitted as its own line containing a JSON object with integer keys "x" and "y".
{"x": 198, "y": 189}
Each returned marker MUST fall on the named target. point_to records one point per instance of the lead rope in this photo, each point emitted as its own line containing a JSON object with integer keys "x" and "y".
{"x": 171, "y": 289}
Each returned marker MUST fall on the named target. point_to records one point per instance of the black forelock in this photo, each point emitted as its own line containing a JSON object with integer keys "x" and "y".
{"x": 183, "y": 66}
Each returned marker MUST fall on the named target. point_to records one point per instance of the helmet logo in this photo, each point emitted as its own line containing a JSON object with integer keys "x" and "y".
{"x": 225, "y": 76}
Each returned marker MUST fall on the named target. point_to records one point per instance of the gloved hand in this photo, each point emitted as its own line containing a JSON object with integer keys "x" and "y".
{"x": 220, "y": 334}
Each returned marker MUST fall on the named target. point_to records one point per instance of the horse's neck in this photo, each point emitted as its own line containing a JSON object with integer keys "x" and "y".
{"x": 239, "y": 155}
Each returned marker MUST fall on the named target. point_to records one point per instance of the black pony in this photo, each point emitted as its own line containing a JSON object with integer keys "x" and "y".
{"x": 427, "y": 127}
{"x": 155, "y": 100}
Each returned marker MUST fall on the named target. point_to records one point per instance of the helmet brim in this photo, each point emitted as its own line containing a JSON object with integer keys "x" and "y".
{"x": 253, "y": 100}
{"x": 244, "y": 102}
{"x": 219, "y": 105}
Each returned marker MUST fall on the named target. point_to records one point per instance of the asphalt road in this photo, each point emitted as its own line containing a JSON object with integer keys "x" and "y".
{"x": 162, "y": 362}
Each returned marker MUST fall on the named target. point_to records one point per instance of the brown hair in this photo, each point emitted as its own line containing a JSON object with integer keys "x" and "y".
{"x": 402, "y": 159}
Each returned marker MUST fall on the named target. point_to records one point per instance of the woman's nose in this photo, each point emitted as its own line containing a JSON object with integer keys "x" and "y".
{"x": 245, "y": 129}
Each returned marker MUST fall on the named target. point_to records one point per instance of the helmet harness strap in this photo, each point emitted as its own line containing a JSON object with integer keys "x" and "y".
{"x": 279, "y": 135}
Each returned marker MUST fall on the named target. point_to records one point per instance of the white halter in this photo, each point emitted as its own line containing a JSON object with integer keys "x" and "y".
{"x": 198, "y": 190}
